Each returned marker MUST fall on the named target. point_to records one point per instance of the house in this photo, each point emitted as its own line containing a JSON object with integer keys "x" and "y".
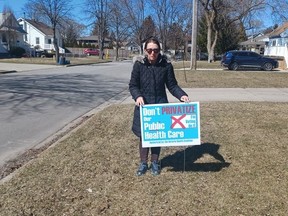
{"x": 278, "y": 43}
{"x": 131, "y": 46}
{"x": 11, "y": 33}
{"x": 255, "y": 43}
{"x": 40, "y": 36}
{"x": 93, "y": 40}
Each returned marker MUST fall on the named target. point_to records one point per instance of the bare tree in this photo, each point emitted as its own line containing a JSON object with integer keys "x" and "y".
{"x": 70, "y": 31}
{"x": 176, "y": 37}
{"x": 135, "y": 11}
{"x": 98, "y": 12}
{"x": 278, "y": 9}
{"x": 54, "y": 12}
{"x": 167, "y": 12}
{"x": 118, "y": 25}
{"x": 237, "y": 11}
{"x": 148, "y": 27}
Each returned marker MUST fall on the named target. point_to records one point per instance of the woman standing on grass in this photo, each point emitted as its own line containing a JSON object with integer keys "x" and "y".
{"x": 149, "y": 77}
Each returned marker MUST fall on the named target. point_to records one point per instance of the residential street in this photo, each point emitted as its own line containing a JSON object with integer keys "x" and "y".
{"x": 36, "y": 103}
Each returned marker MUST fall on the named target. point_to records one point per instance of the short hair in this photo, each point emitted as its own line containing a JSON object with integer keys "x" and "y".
{"x": 152, "y": 40}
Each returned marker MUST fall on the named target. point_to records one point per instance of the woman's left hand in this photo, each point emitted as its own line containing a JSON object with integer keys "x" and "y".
{"x": 185, "y": 99}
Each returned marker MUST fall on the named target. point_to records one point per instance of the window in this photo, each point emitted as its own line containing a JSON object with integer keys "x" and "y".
{"x": 49, "y": 41}
{"x": 4, "y": 39}
{"x": 243, "y": 54}
{"x": 255, "y": 55}
{"x": 25, "y": 28}
{"x": 37, "y": 40}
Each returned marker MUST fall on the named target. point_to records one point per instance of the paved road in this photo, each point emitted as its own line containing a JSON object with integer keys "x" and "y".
{"x": 36, "y": 103}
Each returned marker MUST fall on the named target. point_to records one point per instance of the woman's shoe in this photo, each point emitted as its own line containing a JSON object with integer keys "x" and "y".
{"x": 143, "y": 167}
{"x": 155, "y": 168}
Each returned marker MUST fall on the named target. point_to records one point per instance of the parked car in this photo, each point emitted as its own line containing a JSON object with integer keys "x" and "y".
{"x": 235, "y": 59}
{"x": 202, "y": 56}
{"x": 91, "y": 51}
{"x": 179, "y": 56}
{"x": 44, "y": 54}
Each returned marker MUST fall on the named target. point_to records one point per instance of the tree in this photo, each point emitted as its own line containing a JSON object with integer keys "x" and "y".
{"x": 230, "y": 36}
{"x": 135, "y": 11}
{"x": 71, "y": 30}
{"x": 175, "y": 37}
{"x": 148, "y": 27}
{"x": 240, "y": 11}
{"x": 118, "y": 25}
{"x": 53, "y": 12}
{"x": 98, "y": 13}
{"x": 167, "y": 12}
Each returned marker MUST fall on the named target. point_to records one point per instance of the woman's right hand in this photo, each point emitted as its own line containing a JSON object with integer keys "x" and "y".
{"x": 139, "y": 101}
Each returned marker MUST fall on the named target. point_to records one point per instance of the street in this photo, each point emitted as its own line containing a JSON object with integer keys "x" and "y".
{"x": 36, "y": 104}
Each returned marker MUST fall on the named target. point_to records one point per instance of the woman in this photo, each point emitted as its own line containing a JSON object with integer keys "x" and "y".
{"x": 149, "y": 77}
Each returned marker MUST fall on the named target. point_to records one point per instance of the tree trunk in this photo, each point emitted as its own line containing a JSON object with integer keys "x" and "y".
{"x": 55, "y": 43}
{"x": 212, "y": 34}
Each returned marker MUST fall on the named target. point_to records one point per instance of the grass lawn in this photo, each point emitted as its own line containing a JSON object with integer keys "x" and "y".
{"x": 240, "y": 169}
{"x": 73, "y": 61}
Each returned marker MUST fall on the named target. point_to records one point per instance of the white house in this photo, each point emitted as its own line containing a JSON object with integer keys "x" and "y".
{"x": 11, "y": 33}
{"x": 278, "y": 43}
{"x": 39, "y": 35}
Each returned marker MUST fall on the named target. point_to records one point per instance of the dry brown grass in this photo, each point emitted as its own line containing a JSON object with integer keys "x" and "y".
{"x": 241, "y": 169}
{"x": 231, "y": 79}
{"x": 73, "y": 61}
{"x": 199, "y": 64}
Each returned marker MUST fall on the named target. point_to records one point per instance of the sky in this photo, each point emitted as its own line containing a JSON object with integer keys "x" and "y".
{"x": 17, "y": 7}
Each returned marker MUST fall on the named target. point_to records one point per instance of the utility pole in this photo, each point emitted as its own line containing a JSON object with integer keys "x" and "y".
{"x": 193, "y": 64}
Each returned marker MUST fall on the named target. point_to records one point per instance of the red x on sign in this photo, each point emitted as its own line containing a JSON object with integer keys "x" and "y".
{"x": 178, "y": 121}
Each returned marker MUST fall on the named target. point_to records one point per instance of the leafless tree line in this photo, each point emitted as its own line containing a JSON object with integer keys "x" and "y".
{"x": 170, "y": 20}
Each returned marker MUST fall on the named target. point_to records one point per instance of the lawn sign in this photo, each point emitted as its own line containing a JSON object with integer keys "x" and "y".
{"x": 171, "y": 124}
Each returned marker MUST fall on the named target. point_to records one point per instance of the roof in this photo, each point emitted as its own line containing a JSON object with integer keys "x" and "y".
{"x": 261, "y": 39}
{"x": 91, "y": 38}
{"x": 252, "y": 43}
{"x": 8, "y": 22}
{"x": 45, "y": 29}
{"x": 276, "y": 32}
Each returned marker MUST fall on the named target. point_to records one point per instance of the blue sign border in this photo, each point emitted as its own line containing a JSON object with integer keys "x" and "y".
{"x": 170, "y": 124}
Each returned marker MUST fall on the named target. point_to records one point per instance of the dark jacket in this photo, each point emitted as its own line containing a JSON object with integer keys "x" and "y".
{"x": 149, "y": 81}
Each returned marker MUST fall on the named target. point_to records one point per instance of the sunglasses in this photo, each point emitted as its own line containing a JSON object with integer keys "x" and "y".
{"x": 149, "y": 51}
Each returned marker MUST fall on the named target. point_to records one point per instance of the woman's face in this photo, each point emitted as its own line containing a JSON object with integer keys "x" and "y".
{"x": 152, "y": 51}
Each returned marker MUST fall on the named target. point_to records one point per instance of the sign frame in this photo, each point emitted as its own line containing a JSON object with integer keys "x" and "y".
{"x": 170, "y": 124}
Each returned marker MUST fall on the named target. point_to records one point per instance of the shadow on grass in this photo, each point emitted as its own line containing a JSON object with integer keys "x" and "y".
{"x": 184, "y": 160}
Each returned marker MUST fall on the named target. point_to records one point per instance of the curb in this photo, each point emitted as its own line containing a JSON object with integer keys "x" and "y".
{"x": 6, "y": 72}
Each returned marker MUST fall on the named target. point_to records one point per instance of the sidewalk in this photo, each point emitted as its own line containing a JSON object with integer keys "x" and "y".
{"x": 10, "y": 67}
{"x": 231, "y": 94}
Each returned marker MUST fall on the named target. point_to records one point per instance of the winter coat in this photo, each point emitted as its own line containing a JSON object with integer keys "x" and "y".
{"x": 149, "y": 81}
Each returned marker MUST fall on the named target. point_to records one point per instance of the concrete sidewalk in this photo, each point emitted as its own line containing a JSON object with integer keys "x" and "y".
{"x": 13, "y": 67}
{"x": 231, "y": 94}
